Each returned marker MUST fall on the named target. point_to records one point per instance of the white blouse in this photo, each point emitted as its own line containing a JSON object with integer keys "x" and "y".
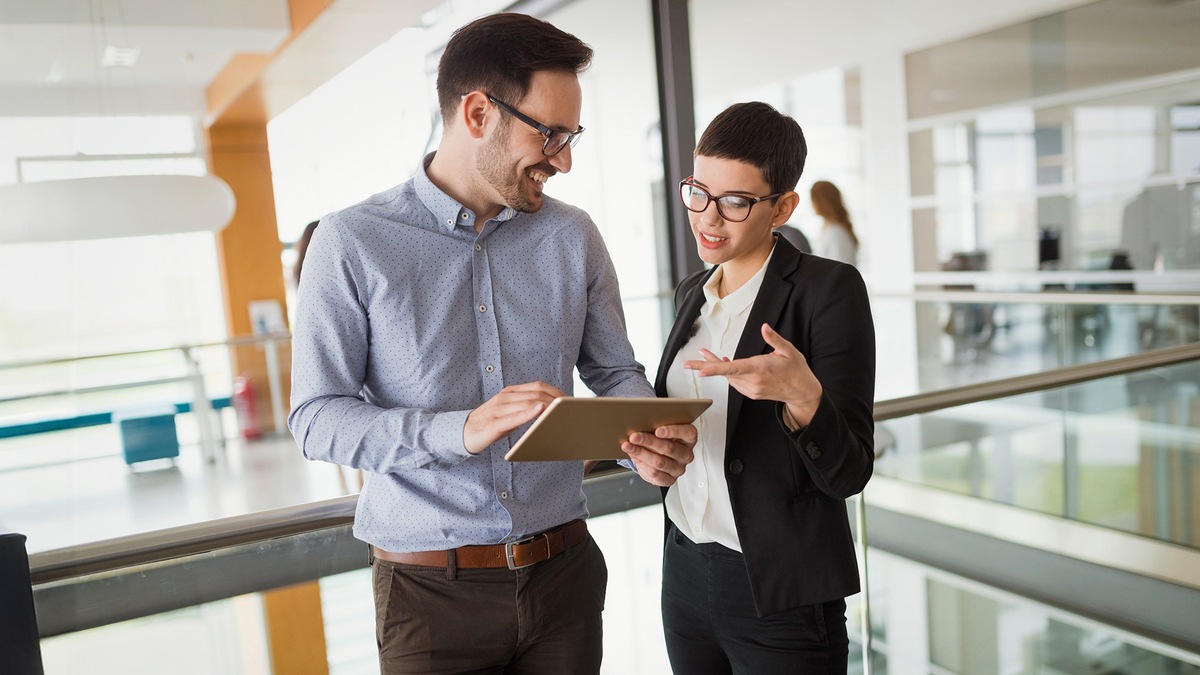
{"x": 836, "y": 243}
{"x": 698, "y": 503}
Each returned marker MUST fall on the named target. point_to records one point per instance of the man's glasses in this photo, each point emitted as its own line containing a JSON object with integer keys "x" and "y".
{"x": 734, "y": 208}
{"x": 555, "y": 140}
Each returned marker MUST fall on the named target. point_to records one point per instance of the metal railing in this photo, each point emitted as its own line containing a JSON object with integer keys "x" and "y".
{"x": 264, "y": 545}
{"x": 1183, "y": 281}
{"x": 1024, "y": 384}
{"x": 1042, "y": 297}
{"x": 92, "y": 585}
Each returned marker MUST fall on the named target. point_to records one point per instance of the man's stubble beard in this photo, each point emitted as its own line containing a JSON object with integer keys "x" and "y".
{"x": 495, "y": 167}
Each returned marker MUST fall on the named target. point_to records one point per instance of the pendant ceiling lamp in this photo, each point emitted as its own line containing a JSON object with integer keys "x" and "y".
{"x": 113, "y": 206}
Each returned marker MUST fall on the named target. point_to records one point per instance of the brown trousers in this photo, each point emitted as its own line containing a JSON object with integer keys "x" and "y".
{"x": 540, "y": 619}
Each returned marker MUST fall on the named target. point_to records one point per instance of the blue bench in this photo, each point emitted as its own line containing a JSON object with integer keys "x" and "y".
{"x": 87, "y": 420}
{"x": 147, "y": 432}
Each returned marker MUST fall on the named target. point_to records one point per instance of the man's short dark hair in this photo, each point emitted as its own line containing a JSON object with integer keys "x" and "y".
{"x": 761, "y": 136}
{"x": 498, "y": 55}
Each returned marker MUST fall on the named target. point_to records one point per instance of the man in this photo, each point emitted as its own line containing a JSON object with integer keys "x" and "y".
{"x": 434, "y": 321}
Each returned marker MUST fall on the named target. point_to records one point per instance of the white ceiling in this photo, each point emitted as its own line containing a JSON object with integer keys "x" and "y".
{"x": 50, "y": 50}
{"x": 834, "y": 34}
{"x": 344, "y": 33}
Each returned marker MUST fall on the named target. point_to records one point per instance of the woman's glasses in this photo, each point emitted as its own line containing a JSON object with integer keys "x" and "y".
{"x": 734, "y": 208}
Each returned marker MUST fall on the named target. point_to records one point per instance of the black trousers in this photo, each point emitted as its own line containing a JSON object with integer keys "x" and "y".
{"x": 540, "y": 619}
{"x": 711, "y": 625}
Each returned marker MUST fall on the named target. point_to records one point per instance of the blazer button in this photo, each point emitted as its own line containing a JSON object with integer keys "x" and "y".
{"x": 735, "y": 467}
{"x": 811, "y": 450}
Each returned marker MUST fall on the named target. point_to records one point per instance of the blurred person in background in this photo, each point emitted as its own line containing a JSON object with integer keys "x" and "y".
{"x": 795, "y": 237}
{"x": 837, "y": 240}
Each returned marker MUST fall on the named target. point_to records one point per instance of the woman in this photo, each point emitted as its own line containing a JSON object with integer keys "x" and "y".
{"x": 759, "y": 556}
{"x": 837, "y": 241}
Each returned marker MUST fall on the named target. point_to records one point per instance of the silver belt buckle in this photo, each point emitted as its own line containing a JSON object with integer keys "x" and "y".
{"x": 508, "y": 552}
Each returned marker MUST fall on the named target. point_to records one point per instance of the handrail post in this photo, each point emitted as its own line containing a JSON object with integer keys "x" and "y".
{"x": 275, "y": 386}
{"x": 20, "y": 651}
{"x": 201, "y": 407}
{"x": 860, "y": 522}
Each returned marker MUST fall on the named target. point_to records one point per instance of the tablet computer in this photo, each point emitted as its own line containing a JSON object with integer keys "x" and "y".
{"x": 573, "y": 428}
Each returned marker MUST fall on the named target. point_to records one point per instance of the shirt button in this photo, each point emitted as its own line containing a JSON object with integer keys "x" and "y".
{"x": 504, "y": 495}
{"x": 450, "y": 221}
{"x": 478, "y": 247}
{"x": 483, "y": 308}
{"x": 700, "y": 484}
{"x": 464, "y": 215}
{"x": 490, "y": 368}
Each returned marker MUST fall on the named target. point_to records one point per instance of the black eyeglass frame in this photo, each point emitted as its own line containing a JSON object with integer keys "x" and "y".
{"x": 572, "y": 137}
{"x": 709, "y": 198}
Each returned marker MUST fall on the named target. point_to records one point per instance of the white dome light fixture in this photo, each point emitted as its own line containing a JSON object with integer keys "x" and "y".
{"x": 113, "y": 206}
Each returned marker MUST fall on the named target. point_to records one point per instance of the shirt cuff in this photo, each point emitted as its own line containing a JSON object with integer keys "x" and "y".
{"x": 446, "y": 436}
{"x": 788, "y": 421}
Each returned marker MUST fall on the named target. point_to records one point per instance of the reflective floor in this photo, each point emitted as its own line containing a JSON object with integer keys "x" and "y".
{"x": 74, "y": 487}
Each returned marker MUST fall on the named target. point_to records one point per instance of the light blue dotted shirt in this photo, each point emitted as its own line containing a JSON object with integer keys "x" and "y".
{"x": 407, "y": 320}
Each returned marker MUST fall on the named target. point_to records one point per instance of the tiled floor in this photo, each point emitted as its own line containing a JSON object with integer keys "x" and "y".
{"x": 77, "y": 488}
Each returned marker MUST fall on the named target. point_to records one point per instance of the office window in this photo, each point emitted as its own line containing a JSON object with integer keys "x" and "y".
{"x": 82, "y": 297}
{"x": 616, "y": 174}
{"x": 1070, "y": 162}
{"x": 738, "y": 55}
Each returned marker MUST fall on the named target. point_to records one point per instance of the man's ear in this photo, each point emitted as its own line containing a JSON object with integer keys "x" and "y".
{"x": 784, "y": 206}
{"x": 473, "y": 113}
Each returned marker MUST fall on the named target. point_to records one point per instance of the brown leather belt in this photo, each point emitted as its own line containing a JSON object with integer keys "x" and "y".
{"x": 514, "y": 555}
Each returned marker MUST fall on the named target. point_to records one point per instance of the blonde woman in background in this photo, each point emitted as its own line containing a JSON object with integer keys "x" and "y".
{"x": 837, "y": 240}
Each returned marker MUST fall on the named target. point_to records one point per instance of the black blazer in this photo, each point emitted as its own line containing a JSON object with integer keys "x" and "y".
{"x": 788, "y": 490}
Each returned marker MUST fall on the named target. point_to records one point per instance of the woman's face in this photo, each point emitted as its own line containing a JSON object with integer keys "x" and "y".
{"x": 719, "y": 240}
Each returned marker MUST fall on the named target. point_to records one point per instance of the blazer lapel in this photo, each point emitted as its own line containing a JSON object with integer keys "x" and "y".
{"x": 768, "y": 306}
{"x": 681, "y": 331}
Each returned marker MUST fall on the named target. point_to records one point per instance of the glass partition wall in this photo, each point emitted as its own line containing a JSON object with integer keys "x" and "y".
{"x": 1067, "y": 142}
{"x": 965, "y": 337}
{"x": 617, "y": 171}
{"x": 1121, "y": 452}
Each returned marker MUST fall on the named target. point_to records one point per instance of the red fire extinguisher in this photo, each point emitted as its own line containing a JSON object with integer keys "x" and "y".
{"x": 247, "y": 410}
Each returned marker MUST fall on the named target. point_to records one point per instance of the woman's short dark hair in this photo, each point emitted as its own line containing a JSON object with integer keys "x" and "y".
{"x": 498, "y": 54}
{"x": 761, "y": 136}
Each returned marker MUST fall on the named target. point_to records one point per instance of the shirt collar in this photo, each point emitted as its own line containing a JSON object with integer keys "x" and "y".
{"x": 449, "y": 211}
{"x": 741, "y": 299}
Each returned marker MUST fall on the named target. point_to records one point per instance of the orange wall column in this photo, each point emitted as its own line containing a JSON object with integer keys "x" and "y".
{"x": 249, "y": 250}
{"x": 296, "y": 630}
